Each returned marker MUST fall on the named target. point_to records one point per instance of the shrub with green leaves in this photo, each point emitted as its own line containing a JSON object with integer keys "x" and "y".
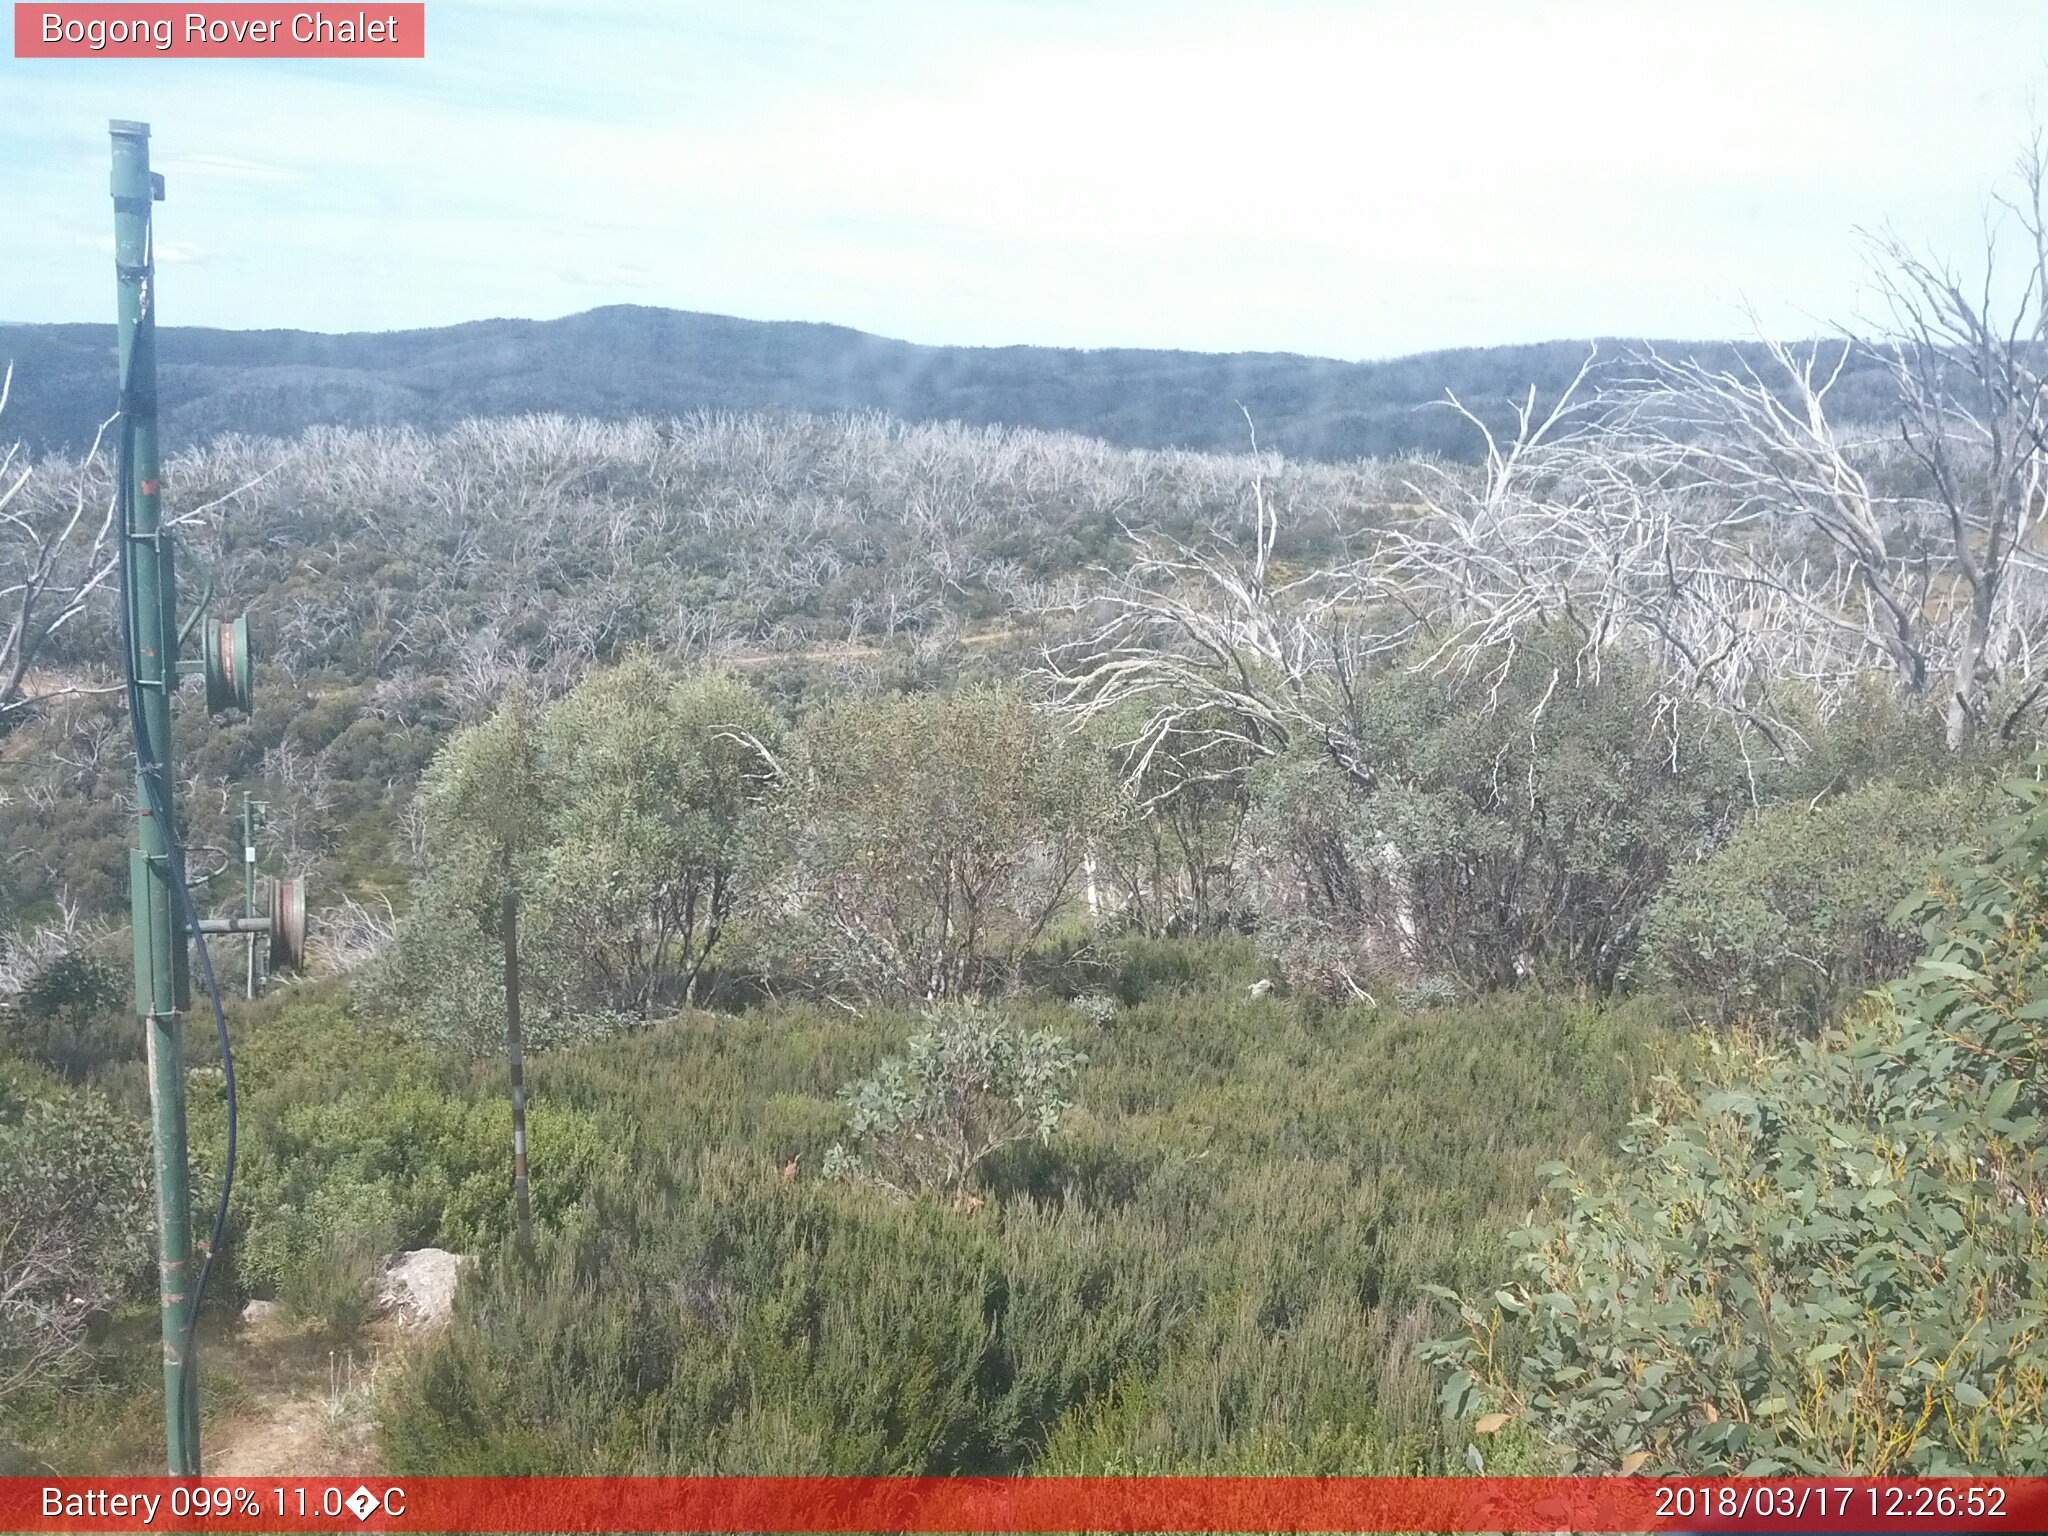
{"x": 1213, "y": 1267}
{"x": 1830, "y": 1260}
{"x": 75, "y": 1228}
{"x": 614, "y": 815}
{"x": 72, "y": 1017}
{"x": 1495, "y": 832}
{"x": 1797, "y": 913}
{"x": 653, "y": 779}
{"x": 357, "y": 1143}
{"x": 919, "y": 846}
{"x": 971, "y": 1083}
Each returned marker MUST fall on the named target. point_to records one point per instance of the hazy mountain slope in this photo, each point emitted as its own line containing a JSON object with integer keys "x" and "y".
{"x": 625, "y": 361}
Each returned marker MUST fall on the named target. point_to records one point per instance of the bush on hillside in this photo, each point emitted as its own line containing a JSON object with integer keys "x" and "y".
{"x": 919, "y": 846}
{"x": 1213, "y": 1267}
{"x": 1797, "y": 913}
{"x": 1827, "y": 1261}
{"x": 73, "y": 1016}
{"x": 356, "y": 1142}
{"x": 1508, "y": 832}
{"x": 1175, "y": 861}
{"x": 655, "y": 779}
{"x": 75, "y": 1223}
{"x": 971, "y": 1083}
{"x": 615, "y": 815}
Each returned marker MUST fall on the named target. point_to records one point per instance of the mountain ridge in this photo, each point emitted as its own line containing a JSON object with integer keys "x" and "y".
{"x": 631, "y": 360}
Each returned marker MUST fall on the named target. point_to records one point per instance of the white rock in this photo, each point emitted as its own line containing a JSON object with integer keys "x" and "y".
{"x": 257, "y": 1313}
{"x": 420, "y": 1286}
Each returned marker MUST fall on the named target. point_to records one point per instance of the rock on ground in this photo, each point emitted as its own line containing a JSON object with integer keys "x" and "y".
{"x": 420, "y": 1286}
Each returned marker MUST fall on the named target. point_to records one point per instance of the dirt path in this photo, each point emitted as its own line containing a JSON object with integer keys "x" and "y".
{"x": 305, "y": 1408}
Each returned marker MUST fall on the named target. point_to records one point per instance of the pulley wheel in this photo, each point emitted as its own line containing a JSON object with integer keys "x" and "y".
{"x": 229, "y": 671}
{"x": 288, "y": 924}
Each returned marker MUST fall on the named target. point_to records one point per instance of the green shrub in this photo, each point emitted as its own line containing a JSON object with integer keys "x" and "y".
{"x": 74, "y": 981}
{"x": 651, "y": 781}
{"x": 920, "y": 846}
{"x": 76, "y": 1232}
{"x": 357, "y": 1142}
{"x": 442, "y": 980}
{"x": 1142, "y": 968}
{"x": 971, "y": 1083}
{"x": 1828, "y": 1259}
{"x": 1796, "y": 914}
{"x": 1215, "y": 1265}
{"x": 73, "y": 1017}
{"x": 716, "y": 1319}
{"x": 1176, "y": 862}
{"x": 320, "y": 1259}
{"x": 1095, "y": 1008}
{"x": 614, "y": 816}
{"x": 1505, "y": 832}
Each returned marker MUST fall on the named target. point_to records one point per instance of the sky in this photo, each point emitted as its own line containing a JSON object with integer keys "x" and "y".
{"x": 1347, "y": 178}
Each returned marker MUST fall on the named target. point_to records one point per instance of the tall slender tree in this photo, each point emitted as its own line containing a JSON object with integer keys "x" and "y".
{"x": 485, "y": 807}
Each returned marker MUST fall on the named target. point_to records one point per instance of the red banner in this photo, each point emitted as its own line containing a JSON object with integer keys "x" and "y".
{"x": 1180, "y": 1504}
{"x": 232, "y": 31}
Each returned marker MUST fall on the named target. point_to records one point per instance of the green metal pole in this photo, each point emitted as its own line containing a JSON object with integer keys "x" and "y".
{"x": 161, "y": 985}
{"x": 249, "y": 880}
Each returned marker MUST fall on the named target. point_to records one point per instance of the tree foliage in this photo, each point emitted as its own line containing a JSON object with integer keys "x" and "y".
{"x": 1830, "y": 1259}
{"x": 75, "y": 1223}
{"x": 1504, "y": 832}
{"x": 919, "y": 845}
{"x": 652, "y": 782}
{"x": 616, "y": 814}
{"x": 1798, "y": 912}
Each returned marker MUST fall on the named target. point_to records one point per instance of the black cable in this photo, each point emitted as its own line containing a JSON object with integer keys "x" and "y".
{"x": 150, "y": 775}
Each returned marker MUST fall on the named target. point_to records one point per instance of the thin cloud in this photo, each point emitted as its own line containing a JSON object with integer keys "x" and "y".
{"x": 228, "y": 168}
{"x": 1290, "y": 175}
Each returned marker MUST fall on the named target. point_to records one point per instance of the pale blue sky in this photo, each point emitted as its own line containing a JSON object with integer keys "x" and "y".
{"x": 1356, "y": 178}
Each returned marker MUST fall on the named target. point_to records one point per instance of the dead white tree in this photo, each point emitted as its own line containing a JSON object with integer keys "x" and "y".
{"x": 1914, "y": 546}
{"x": 42, "y": 1315}
{"x": 1968, "y": 360}
{"x": 1571, "y": 524}
{"x": 1213, "y": 659}
{"x": 353, "y": 934}
{"x": 53, "y": 557}
{"x": 1586, "y": 524}
{"x": 59, "y": 551}
{"x": 1794, "y": 491}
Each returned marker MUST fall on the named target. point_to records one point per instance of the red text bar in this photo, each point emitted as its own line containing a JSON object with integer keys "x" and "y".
{"x": 234, "y": 31}
{"x": 1023, "y": 1504}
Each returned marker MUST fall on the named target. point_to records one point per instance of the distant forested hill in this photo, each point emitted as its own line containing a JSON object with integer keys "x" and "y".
{"x": 628, "y": 361}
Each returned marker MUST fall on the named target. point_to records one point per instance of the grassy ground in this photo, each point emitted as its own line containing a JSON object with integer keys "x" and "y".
{"x": 1218, "y": 1265}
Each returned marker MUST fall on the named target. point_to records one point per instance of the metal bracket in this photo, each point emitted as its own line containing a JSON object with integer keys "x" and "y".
{"x": 198, "y": 611}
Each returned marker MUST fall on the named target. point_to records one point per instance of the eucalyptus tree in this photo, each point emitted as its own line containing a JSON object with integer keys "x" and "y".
{"x": 485, "y": 799}
{"x": 653, "y": 782}
{"x": 919, "y": 846}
